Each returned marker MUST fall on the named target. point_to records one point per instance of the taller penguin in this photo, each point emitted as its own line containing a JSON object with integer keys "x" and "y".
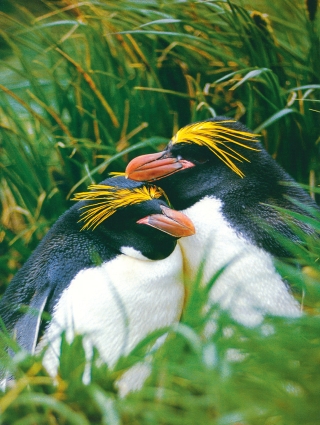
{"x": 93, "y": 273}
{"x": 221, "y": 177}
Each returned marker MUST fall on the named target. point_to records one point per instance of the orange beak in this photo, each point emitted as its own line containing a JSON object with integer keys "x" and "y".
{"x": 170, "y": 221}
{"x": 155, "y": 166}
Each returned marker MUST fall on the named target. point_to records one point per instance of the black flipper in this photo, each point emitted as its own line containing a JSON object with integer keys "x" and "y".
{"x": 26, "y": 329}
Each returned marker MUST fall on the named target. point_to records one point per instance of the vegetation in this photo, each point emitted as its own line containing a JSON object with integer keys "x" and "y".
{"x": 88, "y": 85}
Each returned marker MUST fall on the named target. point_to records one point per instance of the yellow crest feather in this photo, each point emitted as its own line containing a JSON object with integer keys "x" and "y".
{"x": 215, "y": 136}
{"x": 106, "y": 200}
{"x": 117, "y": 173}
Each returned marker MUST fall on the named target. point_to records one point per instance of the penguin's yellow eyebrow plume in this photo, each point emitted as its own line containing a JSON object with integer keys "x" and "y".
{"x": 216, "y": 137}
{"x": 106, "y": 200}
{"x": 117, "y": 173}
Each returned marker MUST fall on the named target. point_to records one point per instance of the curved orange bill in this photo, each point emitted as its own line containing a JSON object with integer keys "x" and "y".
{"x": 155, "y": 166}
{"x": 170, "y": 221}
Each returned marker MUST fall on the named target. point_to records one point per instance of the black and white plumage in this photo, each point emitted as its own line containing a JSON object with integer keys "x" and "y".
{"x": 221, "y": 177}
{"x": 109, "y": 269}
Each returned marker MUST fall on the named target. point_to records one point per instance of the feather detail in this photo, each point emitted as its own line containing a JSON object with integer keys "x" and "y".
{"x": 117, "y": 173}
{"x": 106, "y": 200}
{"x": 216, "y": 137}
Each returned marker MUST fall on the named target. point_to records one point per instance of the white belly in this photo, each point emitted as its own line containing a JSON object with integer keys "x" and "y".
{"x": 250, "y": 287}
{"x": 116, "y": 305}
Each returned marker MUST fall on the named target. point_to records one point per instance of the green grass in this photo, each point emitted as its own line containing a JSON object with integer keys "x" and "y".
{"x": 84, "y": 88}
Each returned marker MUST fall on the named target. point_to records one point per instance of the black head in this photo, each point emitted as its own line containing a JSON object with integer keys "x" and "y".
{"x": 201, "y": 157}
{"x": 134, "y": 217}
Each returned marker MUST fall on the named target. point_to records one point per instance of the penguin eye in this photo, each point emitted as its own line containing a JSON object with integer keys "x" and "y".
{"x": 198, "y": 156}
{"x": 191, "y": 152}
{"x": 202, "y": 160}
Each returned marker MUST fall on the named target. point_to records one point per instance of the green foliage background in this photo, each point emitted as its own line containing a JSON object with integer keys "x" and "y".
{"x": 84, "y": 87}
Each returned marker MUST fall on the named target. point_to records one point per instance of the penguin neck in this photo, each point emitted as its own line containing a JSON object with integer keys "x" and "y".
{"x": 148, "y": 245}
{"x": 185, "y": 189}
{"x": 241, "y": 201}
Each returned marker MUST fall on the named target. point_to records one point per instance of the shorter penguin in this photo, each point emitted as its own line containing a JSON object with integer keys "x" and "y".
{"x": 109, "y": 268}
{"x": 220, "y": 176}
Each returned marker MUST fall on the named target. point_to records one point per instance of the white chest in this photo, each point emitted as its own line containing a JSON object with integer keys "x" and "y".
{"x": 250, "y": 286}
{"x": 116, "y": 305}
